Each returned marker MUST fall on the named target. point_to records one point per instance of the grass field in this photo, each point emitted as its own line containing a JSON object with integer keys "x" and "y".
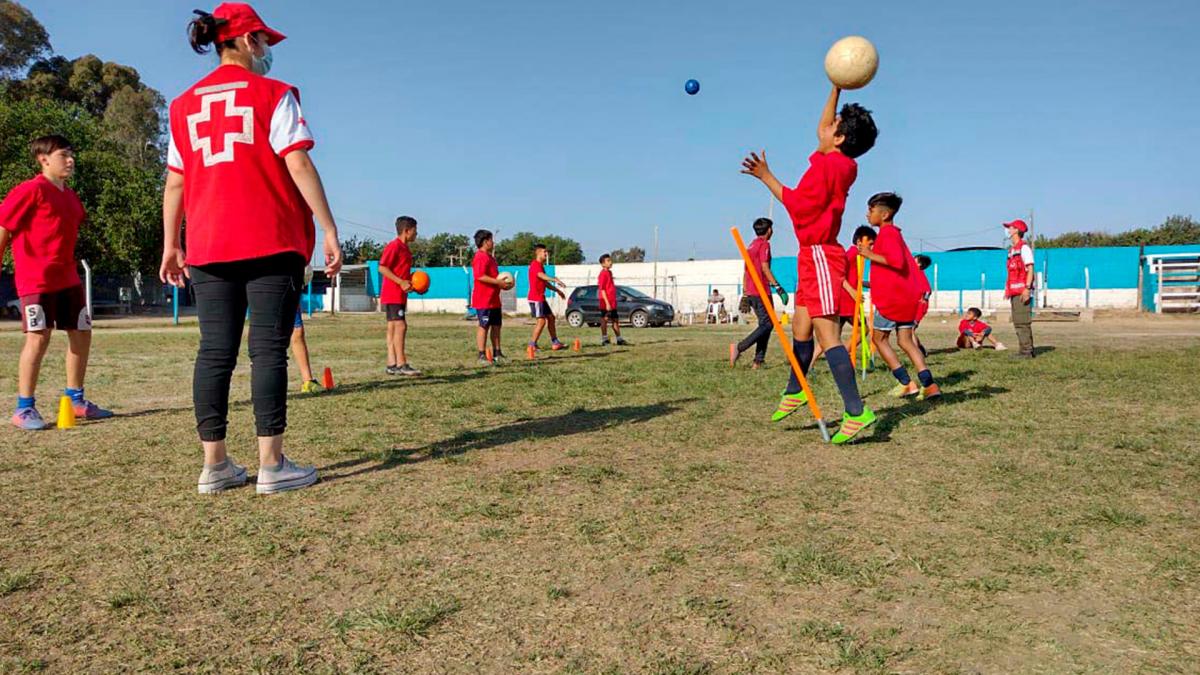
{"x": 617, "y": 510}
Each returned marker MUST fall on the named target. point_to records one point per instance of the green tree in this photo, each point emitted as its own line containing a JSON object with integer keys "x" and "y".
{"x": 630, "y": 255}
{"x": 358, "y": 250}
{"x": 442, "y": 250}
{"x": 22, "y": 38}
{"x": 518, "y": 249}
{"x": 1176, "y": 230}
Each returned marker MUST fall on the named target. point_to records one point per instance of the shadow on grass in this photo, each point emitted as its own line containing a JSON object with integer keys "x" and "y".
{"x": 891, "y": 419}
{"x": 579, "y": 421}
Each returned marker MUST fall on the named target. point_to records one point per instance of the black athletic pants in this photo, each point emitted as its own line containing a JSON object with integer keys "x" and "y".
{"x": 761, "y": 337}
{"x": 270, "y": 288}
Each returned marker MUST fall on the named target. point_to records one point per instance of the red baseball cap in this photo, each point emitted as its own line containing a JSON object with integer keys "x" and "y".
{"x": 1018, "y": 225}
{"x": 239, "y": 19}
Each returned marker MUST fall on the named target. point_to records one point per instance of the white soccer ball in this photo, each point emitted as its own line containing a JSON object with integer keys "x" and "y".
{"x": 506, "y": 280}
{"x": 851, "y": 62}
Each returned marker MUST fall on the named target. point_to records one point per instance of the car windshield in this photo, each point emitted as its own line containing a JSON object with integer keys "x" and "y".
{"x": 634, "y": 293}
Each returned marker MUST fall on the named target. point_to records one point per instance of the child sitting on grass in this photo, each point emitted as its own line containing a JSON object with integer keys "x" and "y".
{"x": 972, "y": 331}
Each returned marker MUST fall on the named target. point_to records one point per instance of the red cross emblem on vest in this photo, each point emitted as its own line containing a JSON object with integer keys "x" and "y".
{"x": 220, "y": 124}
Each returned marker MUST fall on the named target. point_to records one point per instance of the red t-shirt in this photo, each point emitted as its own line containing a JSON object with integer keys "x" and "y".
{"x": 893, "y": 288}
{"x": 229, "y": 134}
{"x": 537, "y": 287}
{"x": 608, "y": 289}
{"x": 44, "y": 222}
{"x": 818, "y": 201}
{"x": 485, "y": 296}
{"x": 846, "y": 300}
{"x": 976, "y": 327}
{"x": 397, "y": 258}
{"x": 760, "y": 252}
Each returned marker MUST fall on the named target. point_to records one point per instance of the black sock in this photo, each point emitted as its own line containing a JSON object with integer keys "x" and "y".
{"x": 804, "y": 352}
{"x": 843, "y": 374}
{"x": 925, "y": 377}
{"x": 901, "y": 375}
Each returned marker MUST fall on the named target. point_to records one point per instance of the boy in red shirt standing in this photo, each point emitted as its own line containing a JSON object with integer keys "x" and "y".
{"x": 485, "y": 298}
{"x": 539, "y": 281}
{"x": 760, "y": 255}
{"x": 816, "y": 206}
{"x": 608, "y": 302}
{"x": 897, "y": 294}
{"x": 41, "y": 217}
{"x": 395, "y": 264}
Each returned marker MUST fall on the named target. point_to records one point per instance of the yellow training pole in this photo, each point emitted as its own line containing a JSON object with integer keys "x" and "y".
{"x": 769, "y": 304}
{"x": 857, "y": 322}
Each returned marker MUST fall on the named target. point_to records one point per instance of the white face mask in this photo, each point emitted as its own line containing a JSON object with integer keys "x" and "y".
{"x": 261, "y": 65}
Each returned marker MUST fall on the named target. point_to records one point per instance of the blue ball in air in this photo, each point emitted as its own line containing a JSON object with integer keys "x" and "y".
{"x": 692, "y": 87}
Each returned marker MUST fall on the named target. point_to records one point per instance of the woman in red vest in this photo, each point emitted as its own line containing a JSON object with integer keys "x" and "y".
{"x": 241, "y": 175}
{"x": 1018, "y": 287}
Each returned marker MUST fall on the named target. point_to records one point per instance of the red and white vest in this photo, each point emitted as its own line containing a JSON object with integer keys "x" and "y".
{"x": 1018, "y": 258}
{"x": 229, "y": 134}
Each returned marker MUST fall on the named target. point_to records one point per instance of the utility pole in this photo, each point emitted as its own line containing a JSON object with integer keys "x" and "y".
{"x": 655, "y": 261}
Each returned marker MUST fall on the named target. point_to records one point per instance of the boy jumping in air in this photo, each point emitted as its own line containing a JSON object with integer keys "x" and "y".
{"x": 395, "y": 264}
{"x": 539, "y": 281}
{"x": 816, "y": 206}
{"x": 897, "y": 293}
{"x": 41, "y": 217}
{"x": 608, "y": 302}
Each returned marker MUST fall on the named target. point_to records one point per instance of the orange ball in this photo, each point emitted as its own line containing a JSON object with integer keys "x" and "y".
{"x": 420, "y": 282}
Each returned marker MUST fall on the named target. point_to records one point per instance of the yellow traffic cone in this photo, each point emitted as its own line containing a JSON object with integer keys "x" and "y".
{"x": 66, "y": 413}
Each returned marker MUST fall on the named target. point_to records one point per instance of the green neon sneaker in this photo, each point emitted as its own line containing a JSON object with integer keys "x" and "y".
{"x": 789, "y": 404}
{"x": 852, "y": 425}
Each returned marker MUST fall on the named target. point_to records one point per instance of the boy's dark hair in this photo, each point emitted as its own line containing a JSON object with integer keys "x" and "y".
{"x": 974, "y": 311}
{"x": 537, "y": 246}
{"x": 923, "y": 261}
{"x": 481, "y": 237}
{"x": 864, "y": 231}
{"x": 605, "y": 257}
{"x": 202, "y": 33}
{"x": 46, "y": 145}
{"x": 857, "y": 129}
{"x": 762, "y": 225}
{"x": 888, "y": 200}
{"x": 404, "y": 224}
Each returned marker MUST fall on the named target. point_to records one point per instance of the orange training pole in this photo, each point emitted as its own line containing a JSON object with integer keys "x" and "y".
{"x": 857, "y": 313}
{"x": 769, "y": 304}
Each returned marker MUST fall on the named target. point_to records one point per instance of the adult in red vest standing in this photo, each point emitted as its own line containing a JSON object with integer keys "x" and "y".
{"x": 239, "y": 171}
{"x": 1019, "y": 285}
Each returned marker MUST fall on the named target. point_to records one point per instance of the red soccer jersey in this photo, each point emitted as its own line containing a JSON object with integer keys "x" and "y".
{"x": 485, "y": 296}
{"x": 846, "y": 301}
{"x": 975, "y": 326}
{"x": 608, "y": 289}
{"x": 44, "y": 222}
{"x": 397, "y": 258}
{"x": 537, "y": 287}
{"x": 229, "y": 134}
{"x": 893, "y": 288}
{"x": 760, "y": 252}
{"x": 818, "y": 201}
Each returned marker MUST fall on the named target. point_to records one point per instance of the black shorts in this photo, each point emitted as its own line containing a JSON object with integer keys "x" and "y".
{"x": 610, "y": 314}
{"x": 540, "y": 309}
{"x": 64, "y": 309}
{"x": 490, "y": 317}
{"x": 395, "y": 310}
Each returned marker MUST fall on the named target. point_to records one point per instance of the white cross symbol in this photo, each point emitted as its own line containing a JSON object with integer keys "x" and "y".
{"x": 218, "y": 126}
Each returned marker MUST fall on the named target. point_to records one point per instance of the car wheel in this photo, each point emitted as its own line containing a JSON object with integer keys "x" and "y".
{"x": 639, "y": 319}
{"x": 575, "y": 319}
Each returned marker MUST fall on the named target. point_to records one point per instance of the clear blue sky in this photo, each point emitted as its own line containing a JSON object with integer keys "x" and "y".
{"x": 570, "y": 117}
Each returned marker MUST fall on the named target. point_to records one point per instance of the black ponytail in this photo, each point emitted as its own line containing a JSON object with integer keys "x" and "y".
{"x": 202, "y": 32}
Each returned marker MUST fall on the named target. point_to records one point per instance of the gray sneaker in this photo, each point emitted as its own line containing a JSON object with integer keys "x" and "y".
{"x": 215, "y": 480}
{"x": 392, "y": 370}
{"x": 407, "y": 370}
{"x": 287, "y": 476}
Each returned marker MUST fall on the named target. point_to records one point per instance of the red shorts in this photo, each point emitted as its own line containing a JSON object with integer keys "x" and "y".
{"x": 922, "y": 309}
{"x": 821, "y": 270}
{"x": 65, "y": 310}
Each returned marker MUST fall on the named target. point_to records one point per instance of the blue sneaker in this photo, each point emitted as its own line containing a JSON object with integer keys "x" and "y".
{"x": 28, "y": 419}
{"x": 86, "y": 410}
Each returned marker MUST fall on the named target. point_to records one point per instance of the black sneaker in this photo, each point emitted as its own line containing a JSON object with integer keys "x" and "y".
{"x": 393, "y": 370}
{"x": 622, "y": 342}
{"x": 408, "y": 371}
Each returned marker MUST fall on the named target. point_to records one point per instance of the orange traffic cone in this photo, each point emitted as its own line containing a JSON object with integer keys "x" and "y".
{"x": 530, "y": 352}
{"x": 327, "y": 379}
{"x": 490, "y": 356}
{"x": 575, "y": 345}
{"x": 66, "y": 413}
